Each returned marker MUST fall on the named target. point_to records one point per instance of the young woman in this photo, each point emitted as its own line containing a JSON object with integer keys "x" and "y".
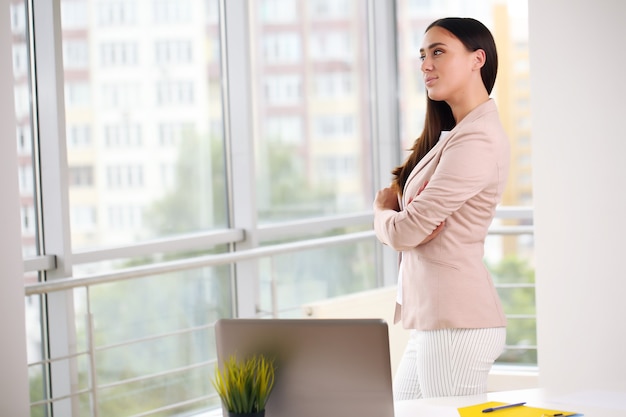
{"x": 436, "y": 214}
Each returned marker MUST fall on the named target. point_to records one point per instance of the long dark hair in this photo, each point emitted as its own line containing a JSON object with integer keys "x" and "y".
{"x": 474, "y": 35}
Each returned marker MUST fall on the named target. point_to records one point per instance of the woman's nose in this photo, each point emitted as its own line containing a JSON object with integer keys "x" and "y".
{"x": 426, "y": 65}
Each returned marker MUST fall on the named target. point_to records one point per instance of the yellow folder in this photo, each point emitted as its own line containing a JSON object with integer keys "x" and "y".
{"x": 519, "y": 411}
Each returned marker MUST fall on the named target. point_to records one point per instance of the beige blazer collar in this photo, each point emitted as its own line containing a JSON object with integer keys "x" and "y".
{"x": 476, "y": 113}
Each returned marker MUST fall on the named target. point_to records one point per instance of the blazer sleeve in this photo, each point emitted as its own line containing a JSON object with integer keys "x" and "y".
{"x": 467, "y": 166}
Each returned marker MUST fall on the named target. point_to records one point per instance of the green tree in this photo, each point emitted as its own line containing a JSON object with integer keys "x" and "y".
{"x": 197, "y": 201}
{"x": 515, "y": 279}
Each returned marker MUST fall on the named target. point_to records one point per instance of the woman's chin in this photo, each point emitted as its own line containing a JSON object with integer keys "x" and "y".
{"x": 434, "y": 96}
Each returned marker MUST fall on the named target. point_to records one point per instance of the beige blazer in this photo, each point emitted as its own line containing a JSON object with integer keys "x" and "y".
{"x": 445, "y": 283}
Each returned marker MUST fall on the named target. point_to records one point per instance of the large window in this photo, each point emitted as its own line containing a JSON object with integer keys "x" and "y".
{"x": 158, "y": 195}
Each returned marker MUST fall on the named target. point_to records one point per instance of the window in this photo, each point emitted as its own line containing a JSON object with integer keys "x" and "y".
{"x": 122, "y": 136}
{"x": 327, "y": 10}
{"x": 116, "y": 12}
{"x": 119, "y": 95}
{"x": 117, "y": 54}
{"x": 161, "y": 188}
{"x": 77, "y": 94}
{"x": 75, "y": 54}
{"x": 74, "y": 14}
{"x": 172, "y": 134}
{"x": 278, "y": 11}
{"x": 333, "y": 126}
{"x": 81, "y": 176}
{"x": 78, "y": 136}
{"x": 333, "y": 84}
{"x": 331, "y": 45}
{"x": 172, "y": 11}
{"x": 26, "y": 180}
{"x": 168, "y": 52}
{"x": 124, "y": 176}
{"x": 174, "y": 93}
{"x": 18, "y": 18}
{"x": 24, "y": 144}
{"x": 282, "y": 90}
{"x": 282, "y": 48}
{"x": 20, "y": 60}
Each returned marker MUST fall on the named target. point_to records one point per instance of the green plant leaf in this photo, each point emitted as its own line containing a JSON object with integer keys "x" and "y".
{"x": 245, "y": 386}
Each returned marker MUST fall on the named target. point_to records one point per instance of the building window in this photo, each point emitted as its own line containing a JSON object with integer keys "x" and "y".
{"x": 81, "y": 176}
{"x": 282, "y": 48}
{"x": 74, "y": 14}
{"x": 123, "y": 95}
{"x": 172, "y": 11}
{"x": 169, "y": 93}
{"x": 20, "y": 60}
{"x": 78, "y": 136}
{"x": 278, "y": 11}
{"x": 329, "y": 9}
{"x": 333, "y": 84}
{"x": 172, "y": 52}
{"x": 77, "y": 94}
{"x": 331, "y": 45}
{"x": 116, "y": 12}
{"x": 334, "y": 126}
{"x": 117, "y": 54}
{"x": 122, "y": 136}
{"x": 283, "y": 89}
{"x": 124, "y": 176}
{"x": 75, "y": 54}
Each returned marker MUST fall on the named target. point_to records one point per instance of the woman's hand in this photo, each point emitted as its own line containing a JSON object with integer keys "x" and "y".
{"x": 387, "y": 199}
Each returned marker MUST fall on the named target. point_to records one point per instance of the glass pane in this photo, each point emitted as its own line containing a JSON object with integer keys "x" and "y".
{"x": 291, "y": 280}
{"x": 509, "y": 257}
{"x": 143, "y": 119}
{"x": 311, "y": 109}
{"x": 154, "y": 341}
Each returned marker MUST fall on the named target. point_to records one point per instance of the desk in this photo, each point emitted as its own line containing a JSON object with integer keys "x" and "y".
{"x": 592, "y": 403}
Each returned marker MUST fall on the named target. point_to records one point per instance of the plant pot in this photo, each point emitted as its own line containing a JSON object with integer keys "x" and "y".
{"x": 256, "y": 414}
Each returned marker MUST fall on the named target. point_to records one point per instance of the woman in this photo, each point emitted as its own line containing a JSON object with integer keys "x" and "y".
{"x": 436, "y": 214}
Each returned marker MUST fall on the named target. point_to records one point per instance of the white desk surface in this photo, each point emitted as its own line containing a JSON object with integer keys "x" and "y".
{"x": 591, "y": 403}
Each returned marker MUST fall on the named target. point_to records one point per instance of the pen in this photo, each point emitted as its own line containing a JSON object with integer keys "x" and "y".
{"x": 489, "y": 410}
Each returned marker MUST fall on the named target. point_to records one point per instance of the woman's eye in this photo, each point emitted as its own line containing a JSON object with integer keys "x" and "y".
{"x": 422, "y": 58}
{"x": 437, "y": 52}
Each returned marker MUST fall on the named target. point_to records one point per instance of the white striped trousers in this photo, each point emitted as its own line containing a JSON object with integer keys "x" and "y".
{"x": 447, "y": 362}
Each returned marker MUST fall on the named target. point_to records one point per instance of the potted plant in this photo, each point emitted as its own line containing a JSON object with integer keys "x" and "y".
{"x": 245, "y": 386}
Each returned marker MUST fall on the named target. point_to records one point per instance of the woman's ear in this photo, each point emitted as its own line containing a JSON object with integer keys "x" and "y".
{"x": 479, "y": 58}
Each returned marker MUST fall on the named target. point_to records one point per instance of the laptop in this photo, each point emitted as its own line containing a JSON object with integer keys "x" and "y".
{"x": 325, "y": 367}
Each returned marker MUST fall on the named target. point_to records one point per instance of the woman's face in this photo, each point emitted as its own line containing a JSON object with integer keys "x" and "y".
{"x": 447, "y": 65}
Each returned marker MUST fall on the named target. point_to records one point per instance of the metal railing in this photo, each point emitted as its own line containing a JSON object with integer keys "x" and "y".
{"x": 269, "y": 232}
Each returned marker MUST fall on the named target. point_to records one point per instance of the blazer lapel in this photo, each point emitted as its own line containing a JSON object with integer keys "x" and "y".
{"x": 435, "y": 151}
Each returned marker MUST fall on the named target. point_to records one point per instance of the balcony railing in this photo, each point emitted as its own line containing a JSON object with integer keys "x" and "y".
{"x": 282, "y": 231}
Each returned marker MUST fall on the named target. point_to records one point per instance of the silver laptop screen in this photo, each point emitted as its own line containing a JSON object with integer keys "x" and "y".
{"x": 325, "y": 367}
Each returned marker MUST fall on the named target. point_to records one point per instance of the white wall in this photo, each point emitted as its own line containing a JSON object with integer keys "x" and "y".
{"x": 13, "y": 371}
{"x": 578, "y": 93}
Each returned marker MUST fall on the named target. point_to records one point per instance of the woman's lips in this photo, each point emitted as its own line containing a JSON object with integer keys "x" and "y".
{"x": 429, "y": 80}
